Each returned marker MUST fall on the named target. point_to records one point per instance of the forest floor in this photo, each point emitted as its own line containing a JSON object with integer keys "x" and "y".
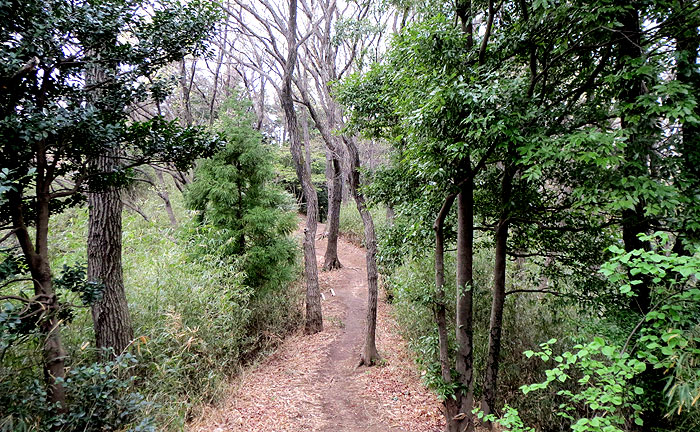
{"x": 312, "y": 383}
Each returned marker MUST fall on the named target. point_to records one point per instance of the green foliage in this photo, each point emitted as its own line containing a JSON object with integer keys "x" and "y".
{"x": 102, "y": 395}
{"x": 527, "y": 320}
{"x": 48, "y": 107}
{"x": 605, "y": 391}
{"x": 195, "y": 322}
{"x": 245, "y": 216}
{"x": 74, "y": 279}
{"x": 667, "y": 338}
{"x": 609, "y": 395}
{"x": 286, "y": 176}
{"x": 510, "y": 421}
{"x": 22, "y": 313}
{"x": 351, "y": 226}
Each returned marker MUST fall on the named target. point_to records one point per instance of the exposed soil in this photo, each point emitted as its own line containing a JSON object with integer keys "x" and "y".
{"x": 311, "y": 383}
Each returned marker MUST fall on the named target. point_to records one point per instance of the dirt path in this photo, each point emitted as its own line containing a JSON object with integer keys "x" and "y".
{"x": 311, "y": 383}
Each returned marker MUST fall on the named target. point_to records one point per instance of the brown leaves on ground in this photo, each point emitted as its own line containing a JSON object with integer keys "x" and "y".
{"x": 311, "y": 383}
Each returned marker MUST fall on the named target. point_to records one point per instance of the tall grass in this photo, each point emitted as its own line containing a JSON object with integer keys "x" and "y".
{"x": 195, "y": 323}
{"x": 351, "y": 226}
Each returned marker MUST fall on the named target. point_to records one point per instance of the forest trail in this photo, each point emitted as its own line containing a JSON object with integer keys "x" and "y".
{"x": 311, "y": 383}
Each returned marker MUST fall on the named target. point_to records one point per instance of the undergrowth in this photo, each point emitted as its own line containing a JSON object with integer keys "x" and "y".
{"x": 195, "y": 322}
{"x": 528, "y": 319}
{"x": 351, "y": 226}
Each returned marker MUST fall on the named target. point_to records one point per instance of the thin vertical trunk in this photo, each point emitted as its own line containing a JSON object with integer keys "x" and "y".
{"x": 488, "y": 401}
{"x": 463, "y": 420}
{"x": 307, "y": 151}
{"x": 38, "y": 263}
{"x": 335, "y": 196}
{"x": 165, "y": 196}
{"x": 465, "y": 285}
{"x": 451, "y": 405}
{"x": 186, "y": 90}
{"x": 329, "y": 183}
{"x": 314, "y": 318}
{"x": 334, "y": 181}
{"x": 369, "y": 352}
{"x": 110, "y": 314}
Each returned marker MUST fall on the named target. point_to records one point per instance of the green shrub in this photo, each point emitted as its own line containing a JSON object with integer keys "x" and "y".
{"x": 101, "y": 397}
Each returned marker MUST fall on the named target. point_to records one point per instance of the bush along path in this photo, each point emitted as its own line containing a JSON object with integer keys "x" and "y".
{"x": 311, "y": 383}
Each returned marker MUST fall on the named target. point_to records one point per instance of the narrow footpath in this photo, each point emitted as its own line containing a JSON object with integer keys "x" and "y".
{"x": 311, "y": 383}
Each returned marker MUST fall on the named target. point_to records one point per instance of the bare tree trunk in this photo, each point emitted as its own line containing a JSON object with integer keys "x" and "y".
{"x": 186, "y": 89}
{"x": 314, "y": 318}
{"x": 335, "y": 196}
{"x": 465, "y": 291}
{"x": 335, "y": 189}
{"x": 488, "y": 400}
{"x": 110, "y": 314}
{"x": 451, "y": 405}
{"x": 307, "y": 150}
{"x": 329, "y": 183}
{"x": 369, "y": 353}
{"x": 165, "y": 196}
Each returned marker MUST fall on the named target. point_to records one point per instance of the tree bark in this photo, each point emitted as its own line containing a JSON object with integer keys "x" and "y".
{"x": 165, "y": 196}
{"x": 635, "y": 221}
{"x": 335, "y": 197}
{"x": 451, "y": 405}
{"x": 314, "y": 317}
{"x": 688, "y": 73}
{"x": 369, "y": 352}
{"x": 488, "y": 401}
{"x": 37, "y": 260}
{"x": 110, "y": 315}
{"x": 465, "y": 285}
{"x": 642, "y": 136}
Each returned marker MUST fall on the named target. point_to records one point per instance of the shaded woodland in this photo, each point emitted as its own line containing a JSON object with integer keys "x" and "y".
{"x": 523, "y": 177}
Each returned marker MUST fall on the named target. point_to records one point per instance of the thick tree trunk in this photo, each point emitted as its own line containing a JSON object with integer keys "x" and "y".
{"x": 642, "y": 135}
{"x": 335, "y": 197}
{"x": 369, "y": 351}
{"x": 110, "y": 314}
{"x": 465, "y": 285}
{"x": 688, "y": 72}
{"x": 635, "y": 221}
{"x": 314, "y": 318}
